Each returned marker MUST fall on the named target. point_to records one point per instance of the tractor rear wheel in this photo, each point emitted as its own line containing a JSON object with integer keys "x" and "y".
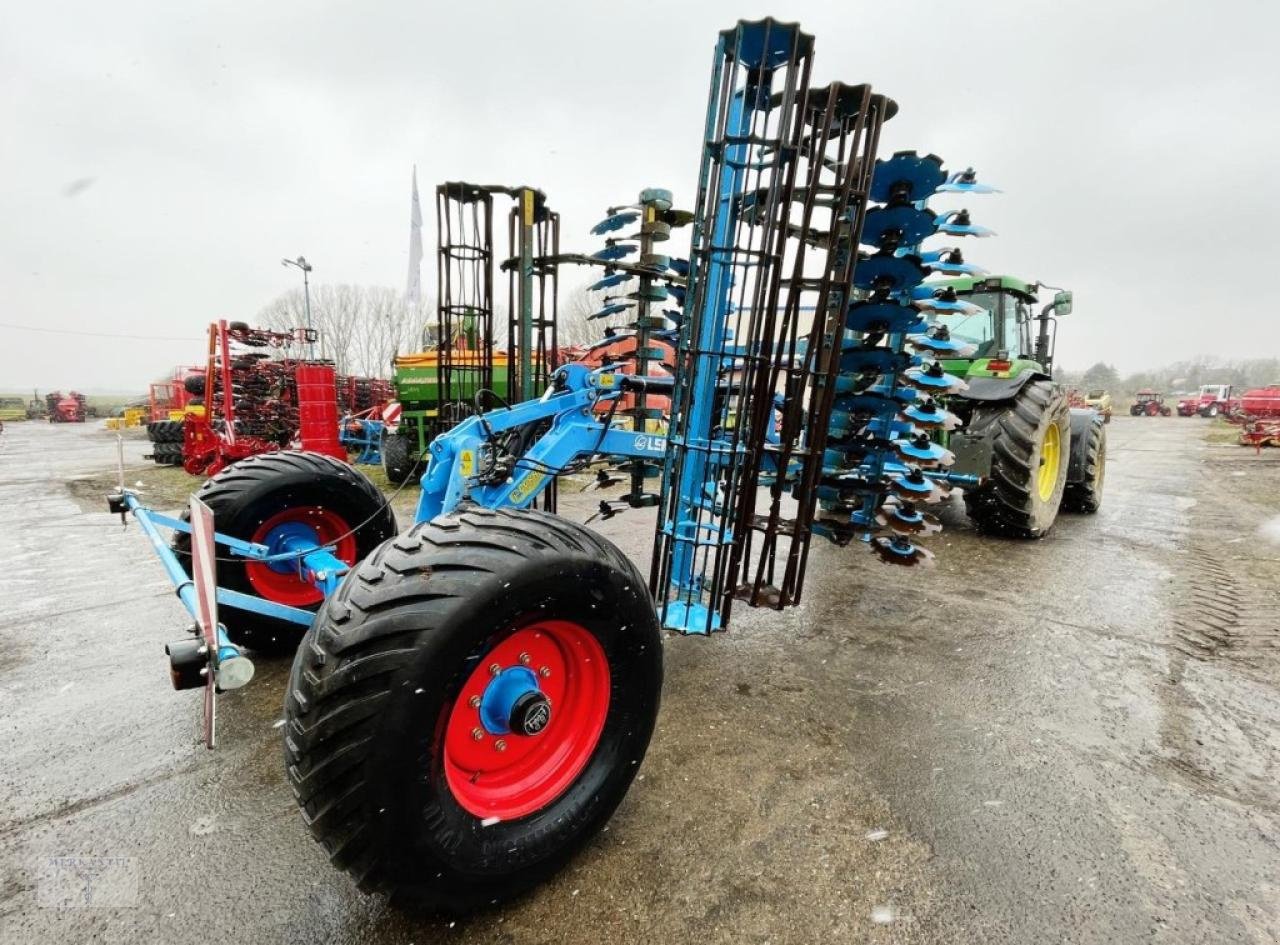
{"x": 1031, "y": 443}
{"x": 1085, "y": 497}
{"x": 399, "y": 459}
{"x": 270, "y": 498}
{"x": 472, "y": 705}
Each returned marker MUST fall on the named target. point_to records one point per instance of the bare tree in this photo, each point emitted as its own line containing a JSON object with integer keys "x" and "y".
{"x": 361, "y": 327}
{"x": 575, "y": 326}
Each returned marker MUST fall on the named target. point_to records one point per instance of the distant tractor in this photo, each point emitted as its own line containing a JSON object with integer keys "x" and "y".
{"x": 1035, "y": 453}
{"x": 1149, "y": 403}
{"x": 1212, "y": 400}
{"x": 1099, "y": 400}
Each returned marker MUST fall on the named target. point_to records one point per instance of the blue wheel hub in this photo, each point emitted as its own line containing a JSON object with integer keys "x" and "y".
{"x": 513, "y": 703}
{"x": 290, "y": 538}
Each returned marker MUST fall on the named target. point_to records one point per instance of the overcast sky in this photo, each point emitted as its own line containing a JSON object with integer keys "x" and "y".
{"x": 159, "y": 159}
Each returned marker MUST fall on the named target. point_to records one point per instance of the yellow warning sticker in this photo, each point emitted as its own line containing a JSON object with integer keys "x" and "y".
{"x": 528, "y": 486}
{"x": 526, "y": 197}
{"x": 467, "y": 462}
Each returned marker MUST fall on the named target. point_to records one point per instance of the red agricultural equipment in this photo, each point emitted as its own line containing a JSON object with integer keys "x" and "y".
{"x": 1149, "y": 403}
{"x": 66, "y": 408}
{"x": 251, "y": 398}
{"x": 255, "y": 403}
{"x": 1260, "y": 410}
{"x": 1211, "y": 401}
{"x": 168, "y": 398}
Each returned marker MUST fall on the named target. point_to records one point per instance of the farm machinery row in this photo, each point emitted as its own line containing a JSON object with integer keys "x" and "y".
{"x": 471, "y": 699}
{"x": 1255, "y": 411}
{"x": 252, "y": 397}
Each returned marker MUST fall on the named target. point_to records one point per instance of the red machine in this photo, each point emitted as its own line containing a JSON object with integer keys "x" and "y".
{"x": 256, "y": 401}
{"x": 66, "y": 408}
{"x": 1149, "y": 403}
{"x": 1262, "y": 402}
{"x": 1212, "y": 400}
{"x": 1260, "y": 410}
{"x": 170, "y": 395}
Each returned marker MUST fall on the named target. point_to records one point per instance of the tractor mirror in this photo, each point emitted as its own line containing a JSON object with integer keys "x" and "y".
{"x": 1062, "y": 303}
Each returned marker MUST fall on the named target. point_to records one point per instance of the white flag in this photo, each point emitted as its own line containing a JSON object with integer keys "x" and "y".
{"x": 413, "y": 291}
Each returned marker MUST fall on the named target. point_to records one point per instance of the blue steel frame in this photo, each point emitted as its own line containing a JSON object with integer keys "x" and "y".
{"x": 368, "y": 440}
{"x": 458, "y": 456}
{"x": 316, "y": 563}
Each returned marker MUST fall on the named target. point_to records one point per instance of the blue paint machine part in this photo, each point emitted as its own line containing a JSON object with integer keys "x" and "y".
{"x": 617, "y": 278}
{"x": 867, "y": 316}
{"x": 615, "y": 222}
{"x": 889, "y": 272}
{"x": 923, "y": 450}
{"x": 935, "y": 379}
{"x": 931, "y": 416}
{"x": 907, "y": 177}
{"x": 956, "y": 223}
{"x": 939, "y": 341}
{"x": 900, "y": 225}
{"x": 965, "y": 182}
{"x": 615, "y": 251}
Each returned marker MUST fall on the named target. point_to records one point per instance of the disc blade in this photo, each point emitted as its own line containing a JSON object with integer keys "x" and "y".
{"x": 899, "y": 551}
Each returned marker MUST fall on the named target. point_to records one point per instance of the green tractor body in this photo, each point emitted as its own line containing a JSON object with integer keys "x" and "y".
{"x": 1035, "y": 454}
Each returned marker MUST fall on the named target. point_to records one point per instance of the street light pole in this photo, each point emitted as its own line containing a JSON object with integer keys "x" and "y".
{"x": 301, "y": 263}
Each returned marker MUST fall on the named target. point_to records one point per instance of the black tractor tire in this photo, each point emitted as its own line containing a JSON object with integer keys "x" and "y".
{"x": 1136, "y": 410}
{"x": 248, "y": 493}
{"x": 399, "y": 459}
{"x": 1008, "y": 503}
{"x": 383, "y": 668}
{"x": 194, "y": 384}
{"x": 1210, "y": 411}
{"x": 1085, "y": 497}
{"x": 167, "y": 454}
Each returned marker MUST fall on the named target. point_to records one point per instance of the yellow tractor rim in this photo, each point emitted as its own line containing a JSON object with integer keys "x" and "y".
{"x": 1050, "y": 457}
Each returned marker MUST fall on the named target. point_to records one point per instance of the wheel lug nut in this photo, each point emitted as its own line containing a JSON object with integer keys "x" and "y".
{"x": 544, "y": 672}
{"x": 477, "y": 733}
{"x": 524, "y": 659}
{"x": 474, "y": 702}
{"x": 494, "y": 669}
{"x": 500, "y": 745}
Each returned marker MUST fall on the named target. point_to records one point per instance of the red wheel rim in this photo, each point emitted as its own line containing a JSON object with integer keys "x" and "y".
{"x": 506, "y": 776}
{"x": 281, "y": 583}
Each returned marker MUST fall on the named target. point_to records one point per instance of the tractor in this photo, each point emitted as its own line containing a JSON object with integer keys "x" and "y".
{"x": 1211, "y": 401}
{"x": 1036, "y": 454}
{"x": 1149, "y": 403}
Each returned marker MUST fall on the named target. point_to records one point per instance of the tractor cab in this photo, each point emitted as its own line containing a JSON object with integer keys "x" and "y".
{"x": 1008, "y": 335}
